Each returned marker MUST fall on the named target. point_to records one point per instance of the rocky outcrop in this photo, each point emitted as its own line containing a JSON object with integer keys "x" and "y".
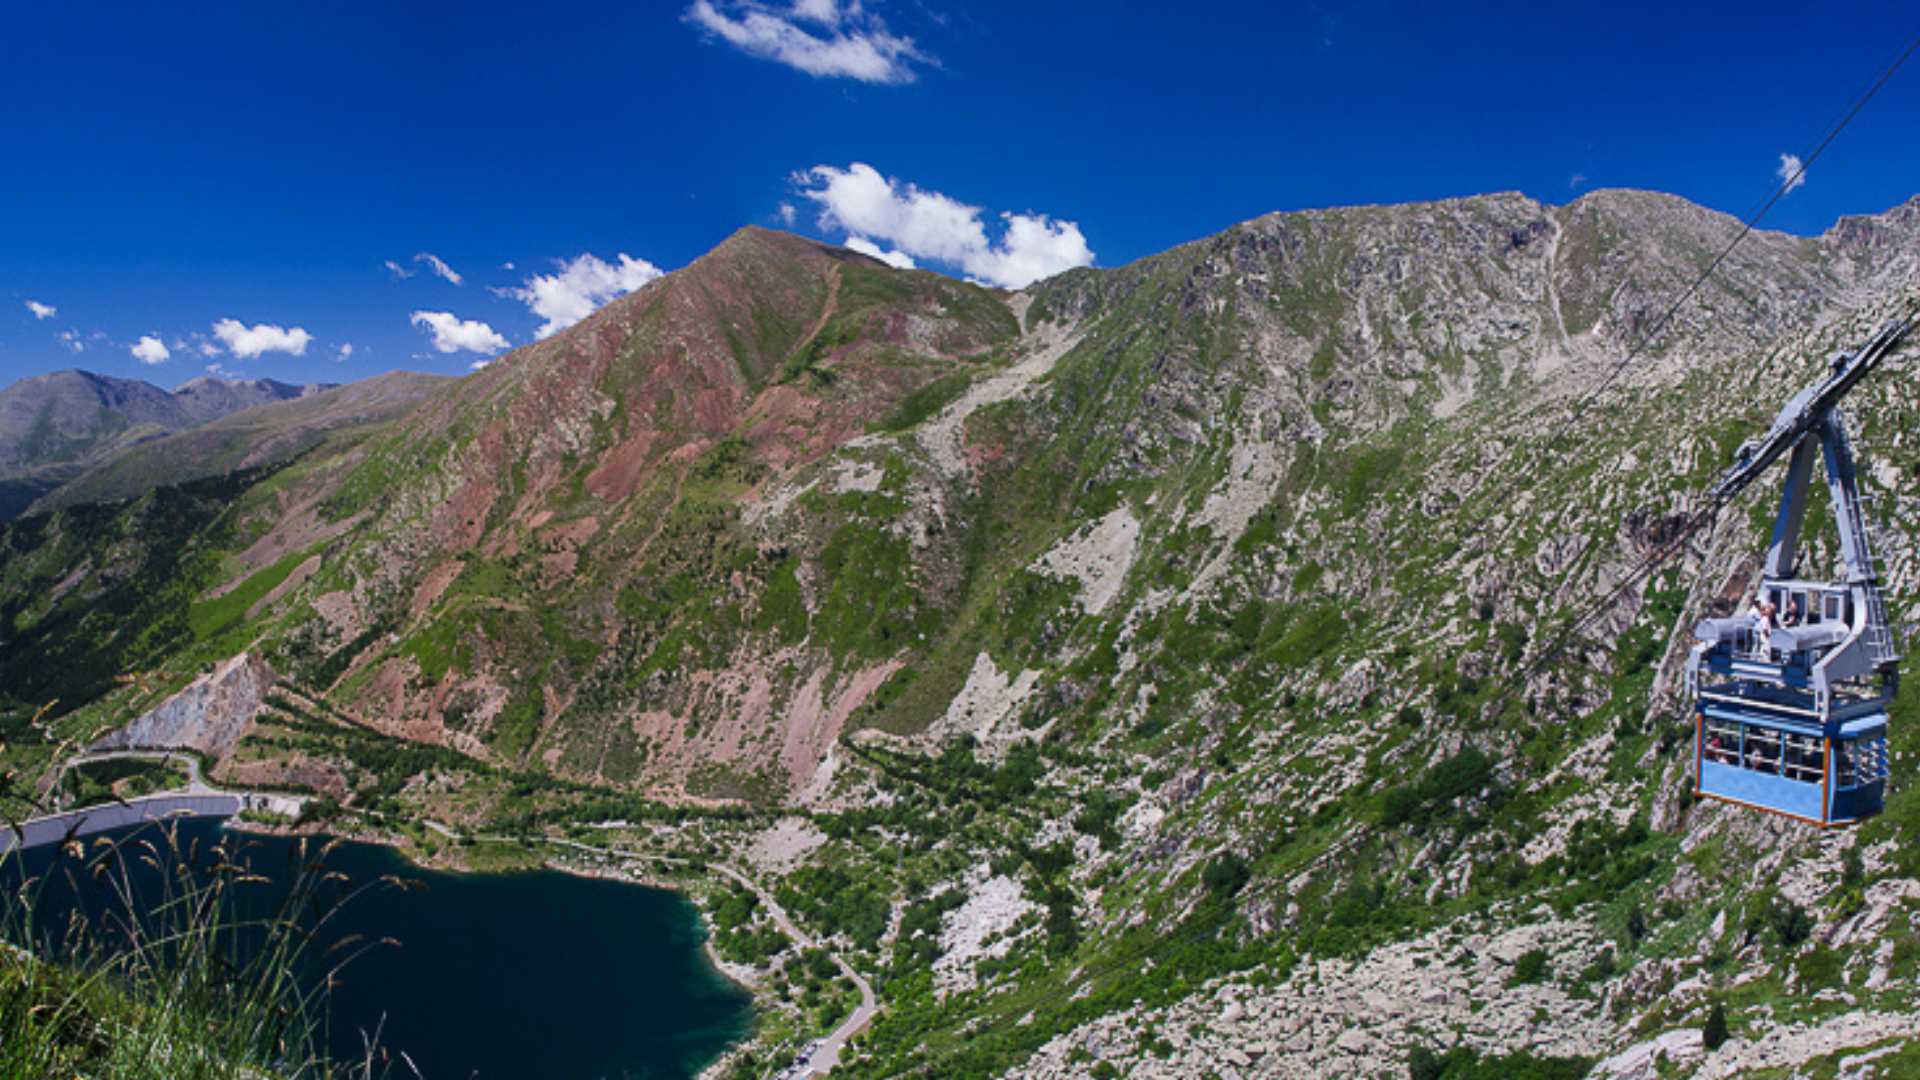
{"x": 210, "y": 715}
{"x": 1339, "y": 1018}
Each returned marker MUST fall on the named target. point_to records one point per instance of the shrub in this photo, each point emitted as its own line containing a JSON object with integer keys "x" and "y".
{"x": 1424, "y": 1064}
{"x": 1636, "y": 923}
{"x": 1791, "y": 923}
{"x": 1465, "y": 773}
{"x": 1226, "y": 875}
{"x": 1602, "y": 968}
{"x": 1531, "y": 966}
{"x": 1853, "y": 873}
{"x": 1714, "y": 1034}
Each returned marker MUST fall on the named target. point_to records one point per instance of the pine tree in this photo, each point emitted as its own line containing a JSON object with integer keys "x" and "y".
{"x": 1715, "y": 1033}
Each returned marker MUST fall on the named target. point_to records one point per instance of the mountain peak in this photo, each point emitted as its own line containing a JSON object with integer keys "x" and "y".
{"x": 761, "y": 242}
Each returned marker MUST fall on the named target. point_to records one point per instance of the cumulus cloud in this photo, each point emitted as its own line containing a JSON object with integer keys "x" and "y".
{"x": 150, "y": 350}
{"x": 580, "y": 286}
{"x": 899, "y": 260}
{"x": 921, "y": 224}
{"x": 822, "y": 38}
{"x": 452, "y": 334}
{"x": 346, "y": 350}
{"x": 247, "y": 342}
{"x": 42, "y": 311}
{"x": 72, "y": 341}
{"x": 787, "y": 214}
{"x": 1791, "y": 172}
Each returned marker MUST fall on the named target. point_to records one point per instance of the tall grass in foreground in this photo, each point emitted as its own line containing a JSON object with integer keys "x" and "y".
{"x": 160, "y": 972}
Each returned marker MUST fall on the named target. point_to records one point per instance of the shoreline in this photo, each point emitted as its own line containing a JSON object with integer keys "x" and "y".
{"x": 626, "y": 874}
{"x": 161, "y": 808}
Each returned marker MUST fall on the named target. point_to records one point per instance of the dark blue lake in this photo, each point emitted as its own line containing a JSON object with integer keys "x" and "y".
{"x": 520, "y": 975}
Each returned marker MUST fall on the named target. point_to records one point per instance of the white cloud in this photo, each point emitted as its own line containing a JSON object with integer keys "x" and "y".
{"x": 150, "y": 350}
{"x": 247, "y": 342}
{"x": 452, "y": 334}
{"x": 506, "y": 265}
{"x": 899, "y": 260}
{"x": 787, "y": 214}
{"x": 478, "y": 365}
{"x": 439, "y": 266}
{"x": 582, "y": 285}
{"x": 1791, "y": 172}
{"x": 825, "y": 12}
{"x": 846, "y": 42}
{"x": 346, "y": 350}
{"x": 42, "y": 311}
{"x": 72, "y": 341}
{"x": 923, "y": 224}
{"x": 435, "y": 265}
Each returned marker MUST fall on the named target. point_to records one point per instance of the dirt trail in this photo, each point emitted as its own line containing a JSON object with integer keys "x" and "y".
{"x": 945, "y": 436}
{"x": 826, "y": 312}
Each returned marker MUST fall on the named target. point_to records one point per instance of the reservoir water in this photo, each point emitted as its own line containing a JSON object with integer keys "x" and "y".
{"x": 512, "y": 976}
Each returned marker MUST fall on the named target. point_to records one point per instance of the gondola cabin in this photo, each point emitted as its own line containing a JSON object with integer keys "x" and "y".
{"x": 1763, "y": 737}
{"x": 1791, "y": 695}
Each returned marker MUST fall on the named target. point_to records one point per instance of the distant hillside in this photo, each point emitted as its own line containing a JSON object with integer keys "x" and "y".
{"x": 54, "y": 427}
{"x": 263, "y": 434}
{"x": 207, "y": 398}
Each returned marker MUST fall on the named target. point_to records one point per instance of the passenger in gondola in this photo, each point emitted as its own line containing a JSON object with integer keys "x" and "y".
{"x": 1792, "y": 616}
{"x": 1762, "y": 614}
{"x": 1717, "y": 750}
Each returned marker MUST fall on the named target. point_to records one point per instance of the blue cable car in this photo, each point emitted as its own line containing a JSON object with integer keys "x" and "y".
{"x": 1790, "y": 699}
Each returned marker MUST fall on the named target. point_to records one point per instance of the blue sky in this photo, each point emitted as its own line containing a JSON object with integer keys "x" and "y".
{"x": 227, "y": 185}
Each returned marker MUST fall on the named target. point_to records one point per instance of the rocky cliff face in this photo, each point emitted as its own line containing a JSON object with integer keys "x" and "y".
{"x": 1162, "y": 643}
{"x": 210, "y": 715}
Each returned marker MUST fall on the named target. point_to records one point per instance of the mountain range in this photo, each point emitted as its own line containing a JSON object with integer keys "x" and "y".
{"x": 1164, "y": 669}
{"x": 58, "y": 428}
